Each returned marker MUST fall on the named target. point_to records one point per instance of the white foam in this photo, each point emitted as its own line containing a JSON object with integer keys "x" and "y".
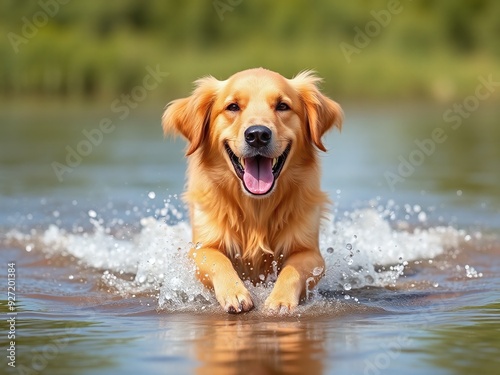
{"x": 357, "y": 246}
{"x": 154, "y": 259}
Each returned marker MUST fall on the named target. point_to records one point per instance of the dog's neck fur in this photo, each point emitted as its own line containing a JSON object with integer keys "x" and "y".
{"x": 250, "y": 231}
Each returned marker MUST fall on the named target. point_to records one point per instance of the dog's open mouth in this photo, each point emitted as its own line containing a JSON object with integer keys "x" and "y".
{"x": 258, "y": 173}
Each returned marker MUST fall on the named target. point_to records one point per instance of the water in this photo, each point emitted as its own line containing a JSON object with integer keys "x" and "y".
{"x": 103, "y": 284}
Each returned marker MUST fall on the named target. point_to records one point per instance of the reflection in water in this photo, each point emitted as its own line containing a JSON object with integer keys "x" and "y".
{"x": 261, "y": 347}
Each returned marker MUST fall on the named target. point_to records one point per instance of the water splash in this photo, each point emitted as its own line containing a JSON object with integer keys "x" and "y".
{"x": 371, "y": 252}
{"x": 361, "y": 248}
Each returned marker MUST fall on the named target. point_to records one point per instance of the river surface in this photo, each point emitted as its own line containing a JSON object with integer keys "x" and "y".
{"x": 94, "y": 236}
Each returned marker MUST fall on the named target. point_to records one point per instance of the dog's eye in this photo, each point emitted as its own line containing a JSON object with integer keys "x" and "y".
{"x": 233, "y": 107}
{"x": 282, "y": 106}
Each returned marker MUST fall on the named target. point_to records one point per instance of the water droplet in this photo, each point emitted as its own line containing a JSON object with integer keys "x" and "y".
{"x": 369, "y": 279}
{"x": 347, "y": 286}
{"x": 29, "y": 248}
{"x": 262, "y": 277}
{"x": 141, "y": 279}
{"x": 435, "y": 285}
{"x": 55, "y": 213}
{"x": 459, "y": 193}
{"x": 92, "y": 213}
{"x": 71, "y": 277}
{"x": 329, "y": 250}
{"x": 467, "y": 238}
{"x": 317, "y": 271}
{"x": 198, "y": 245}
{"x": 422, "y": 216}
{"x": 151, "y": 195}
{"x": 347, "y": 296}
{"x": 348, "y": 246}
{"x": 350, "y": 261}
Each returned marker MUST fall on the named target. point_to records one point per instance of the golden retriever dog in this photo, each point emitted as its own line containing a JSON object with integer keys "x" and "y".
{"x": 253, "y": 182}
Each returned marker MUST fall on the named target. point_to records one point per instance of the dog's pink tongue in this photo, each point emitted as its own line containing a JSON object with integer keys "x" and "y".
{"x": 258, "y": 177}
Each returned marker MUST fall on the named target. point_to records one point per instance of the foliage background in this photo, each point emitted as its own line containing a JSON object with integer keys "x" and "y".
{"x": 431, "y": 50}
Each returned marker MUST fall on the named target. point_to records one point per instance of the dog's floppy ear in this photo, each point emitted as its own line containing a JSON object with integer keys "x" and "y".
{"x": 322, "y": 113}
{"x": 190, "y": 116}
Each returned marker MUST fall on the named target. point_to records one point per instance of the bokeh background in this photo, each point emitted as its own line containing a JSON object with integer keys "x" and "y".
{"x": 88, "y": 50}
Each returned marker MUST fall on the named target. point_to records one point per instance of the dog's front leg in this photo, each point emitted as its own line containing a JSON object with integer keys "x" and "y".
{"x": 301, "y": 272}
{"x": 216, "y": 272}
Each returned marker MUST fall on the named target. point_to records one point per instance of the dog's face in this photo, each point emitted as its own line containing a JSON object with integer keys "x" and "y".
{"x": 256, "y": 122}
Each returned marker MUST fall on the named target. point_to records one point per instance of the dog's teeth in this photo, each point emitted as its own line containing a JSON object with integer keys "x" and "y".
{"x": 275, "y": 161}
{"x": 242, "y": 162}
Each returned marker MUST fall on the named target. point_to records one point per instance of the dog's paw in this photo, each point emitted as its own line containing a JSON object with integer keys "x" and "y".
{"x": 235, "y": 299}
{"x": 278, "y": 303}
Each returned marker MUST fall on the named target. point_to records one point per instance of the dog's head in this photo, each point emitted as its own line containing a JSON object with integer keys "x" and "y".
{"x": 258, "y": 123}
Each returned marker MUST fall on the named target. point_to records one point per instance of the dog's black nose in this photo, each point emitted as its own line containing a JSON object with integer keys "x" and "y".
{"x": 258, "y": 136}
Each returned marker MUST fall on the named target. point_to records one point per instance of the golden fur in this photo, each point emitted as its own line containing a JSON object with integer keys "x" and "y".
{"x": 244, "y": 235}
